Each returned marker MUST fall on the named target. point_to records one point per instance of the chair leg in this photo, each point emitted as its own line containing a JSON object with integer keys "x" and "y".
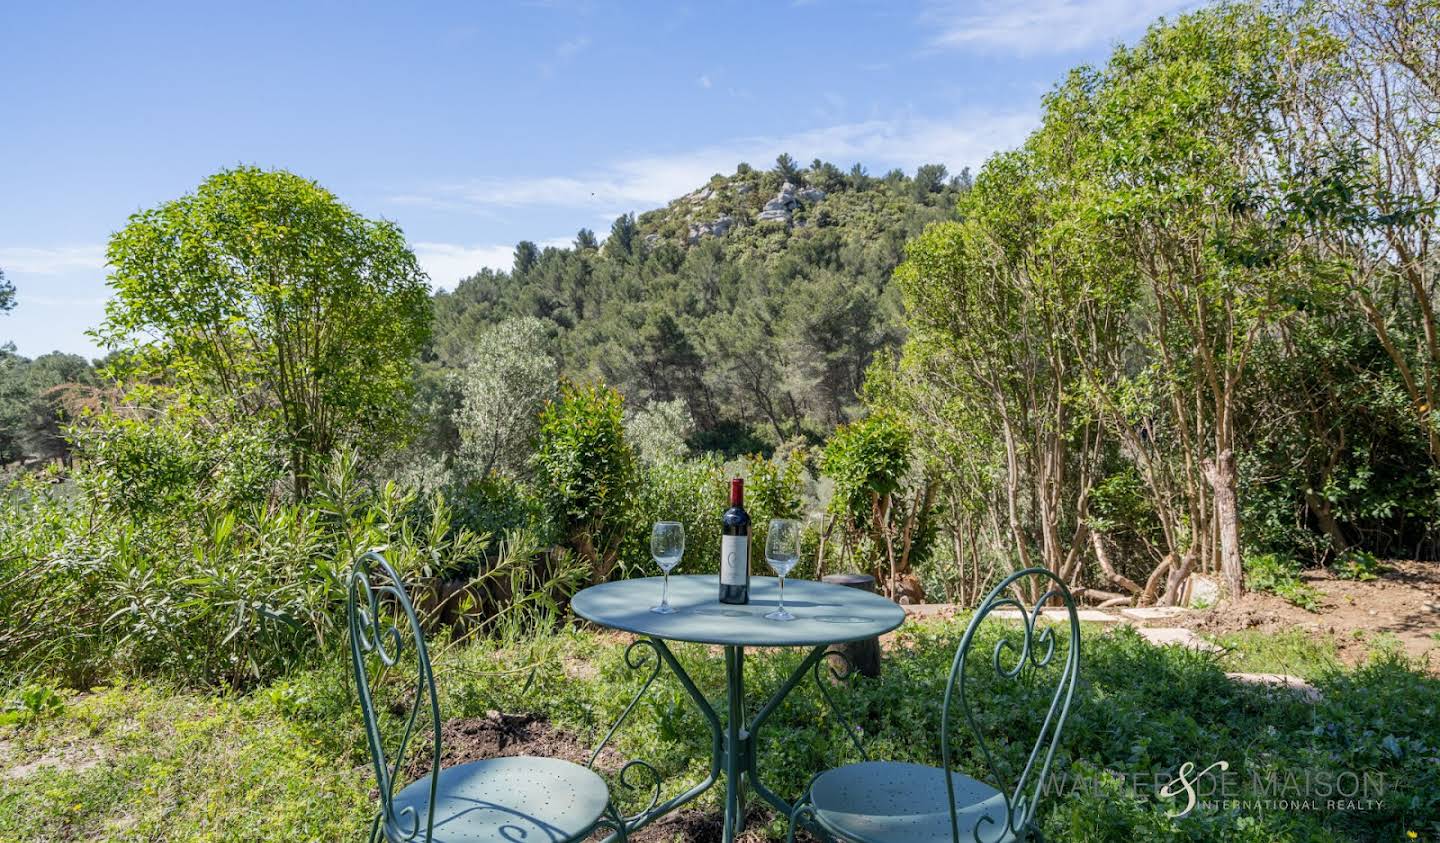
{"x": 803, "y": 814}
{"x": 613, "y": 819}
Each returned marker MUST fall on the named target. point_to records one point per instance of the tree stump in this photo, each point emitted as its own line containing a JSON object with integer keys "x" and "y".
{"x": 864, "y": 654}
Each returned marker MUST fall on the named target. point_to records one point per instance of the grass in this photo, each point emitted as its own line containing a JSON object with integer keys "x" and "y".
{"x": 287, "y": 762}
{"x": 1295, "y": 653}
{"x": 141, "y": 764}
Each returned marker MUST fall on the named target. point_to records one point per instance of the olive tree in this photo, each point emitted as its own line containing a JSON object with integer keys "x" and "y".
{"x": 508, "y": 379}
{"x": 262, "y": 289}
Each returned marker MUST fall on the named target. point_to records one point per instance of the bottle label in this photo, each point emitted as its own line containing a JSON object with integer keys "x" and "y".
{"x": 735, "y": 560}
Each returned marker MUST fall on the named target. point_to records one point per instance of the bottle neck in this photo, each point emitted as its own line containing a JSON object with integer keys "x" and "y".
{"x": 737, "y": 492}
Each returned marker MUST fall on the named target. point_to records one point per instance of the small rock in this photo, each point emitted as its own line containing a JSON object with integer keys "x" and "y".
{"x": 1178, "y": 637}
{"x": 1204, "y": 591}
{"x": 1280, "y": 682}
{"x": 811, "y": 195}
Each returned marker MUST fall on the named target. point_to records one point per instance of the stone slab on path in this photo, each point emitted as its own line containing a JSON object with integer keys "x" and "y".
{"x": 1166, "y": 636}
{"x": 1085, "y": 615}
{"x": 1152, "y": 613}
{"x": 930, "y": 610}
{"x": 1280, "y": 682}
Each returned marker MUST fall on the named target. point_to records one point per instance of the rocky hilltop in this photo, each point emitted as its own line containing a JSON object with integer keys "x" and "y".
{"x": 767, "y": 204}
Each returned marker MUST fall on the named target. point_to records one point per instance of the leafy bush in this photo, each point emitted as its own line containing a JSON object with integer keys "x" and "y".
{"x": 692, "y": 492}
{"x": 884, "y": 510}
{"x": 217, "y": 589}
{"x": 31, "y": 703}
{"x": 1359, "y": 565}
{"x": 659, "y": 431}
{"x": 506, "y": 382}
{"x": 1280, "y": 575}
{"x": 776, "y": 487}
{"x": 585, "y": 471}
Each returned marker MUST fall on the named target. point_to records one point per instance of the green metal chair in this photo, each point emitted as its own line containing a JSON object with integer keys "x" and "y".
{"x": 534, "y": 800}
{"x": 886, "y": 802}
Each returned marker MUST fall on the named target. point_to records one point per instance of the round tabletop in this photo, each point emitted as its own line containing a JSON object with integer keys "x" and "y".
{"x": 824, "y": 613}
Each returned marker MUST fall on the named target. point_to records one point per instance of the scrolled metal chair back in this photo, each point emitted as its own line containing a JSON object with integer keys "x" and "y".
{"x": 382, "y": 620}
{"x": 1016, "y": 661}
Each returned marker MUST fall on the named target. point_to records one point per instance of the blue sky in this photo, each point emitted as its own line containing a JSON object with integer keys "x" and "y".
{"x": 474, "y": 125}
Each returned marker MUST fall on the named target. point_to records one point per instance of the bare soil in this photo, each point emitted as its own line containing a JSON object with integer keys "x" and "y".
{"x": 1403, "y": 602}
{"x": 498, "y": 735}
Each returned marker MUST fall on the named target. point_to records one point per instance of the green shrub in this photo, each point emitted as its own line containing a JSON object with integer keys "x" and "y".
{"x": 1358, "y": 565}
{"x": 585, "y": 471}
{"x": 31, "y": 703}
{"x": 217, "y": 591}
{"x": 1280, "y": 575}
{"x": 692, "y": 492}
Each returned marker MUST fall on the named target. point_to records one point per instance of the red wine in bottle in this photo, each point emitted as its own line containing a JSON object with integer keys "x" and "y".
{"x": 735, "y": 548}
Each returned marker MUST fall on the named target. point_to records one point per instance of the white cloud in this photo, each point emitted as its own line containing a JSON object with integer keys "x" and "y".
{"x": 447, "y": 263}
{"x": 652, "y": 180}
{"x": 563, "y": 53}
{"x": 571, "y": 47}
{"x": 22, "y": 260}
{"x": 1042, "y": 26}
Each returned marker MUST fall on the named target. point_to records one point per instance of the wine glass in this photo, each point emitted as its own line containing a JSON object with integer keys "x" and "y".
{"x": 782, "y": 551}
{"x": 667, "y": 545}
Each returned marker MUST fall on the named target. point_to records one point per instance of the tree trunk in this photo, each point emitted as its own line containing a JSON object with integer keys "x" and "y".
{"x": 1221, "y": 475}
{"x": 1098, "y": 543}
{"x": 1321, "y": 508}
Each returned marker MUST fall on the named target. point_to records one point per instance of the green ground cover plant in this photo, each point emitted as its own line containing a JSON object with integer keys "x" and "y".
{"x": 287, "y": 761}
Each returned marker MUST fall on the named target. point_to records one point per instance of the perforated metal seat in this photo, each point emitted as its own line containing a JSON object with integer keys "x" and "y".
{"x": 894, "y": 802}
{"x": 879, "y": 802}
{"x": 537, "y": 800}
{"x": 520, "y": 799}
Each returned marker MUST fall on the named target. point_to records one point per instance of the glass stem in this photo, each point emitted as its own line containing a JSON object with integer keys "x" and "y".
{"x": 782, "y": 594}
{"x": 665, "y": 590}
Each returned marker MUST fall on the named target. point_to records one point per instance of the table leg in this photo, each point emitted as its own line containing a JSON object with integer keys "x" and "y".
{"x": 737, "y": 744}
{"x": 663, "y": 658}
{"x": 733, "y": 743}
{"x": 752, "y": 756}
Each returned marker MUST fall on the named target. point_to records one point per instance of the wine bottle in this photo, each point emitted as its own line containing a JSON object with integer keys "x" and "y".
{"x": 735, "y": 548}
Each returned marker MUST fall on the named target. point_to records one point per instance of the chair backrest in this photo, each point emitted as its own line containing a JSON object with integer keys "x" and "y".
{"x": 382, "y": 621}
{"x": 1018, "y": 661}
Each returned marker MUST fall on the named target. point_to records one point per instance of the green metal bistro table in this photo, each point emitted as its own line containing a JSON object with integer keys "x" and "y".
{"x": 825, "y": 614}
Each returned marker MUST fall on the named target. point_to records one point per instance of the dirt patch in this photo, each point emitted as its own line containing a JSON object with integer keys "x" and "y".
{"x": 74, "y": 760}
{"x": 1403, "y": 602}
{"x": 498, "y": 735}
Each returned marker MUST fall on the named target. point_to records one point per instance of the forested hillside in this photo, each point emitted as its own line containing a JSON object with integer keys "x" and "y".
{"x": 758, "y": 300}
